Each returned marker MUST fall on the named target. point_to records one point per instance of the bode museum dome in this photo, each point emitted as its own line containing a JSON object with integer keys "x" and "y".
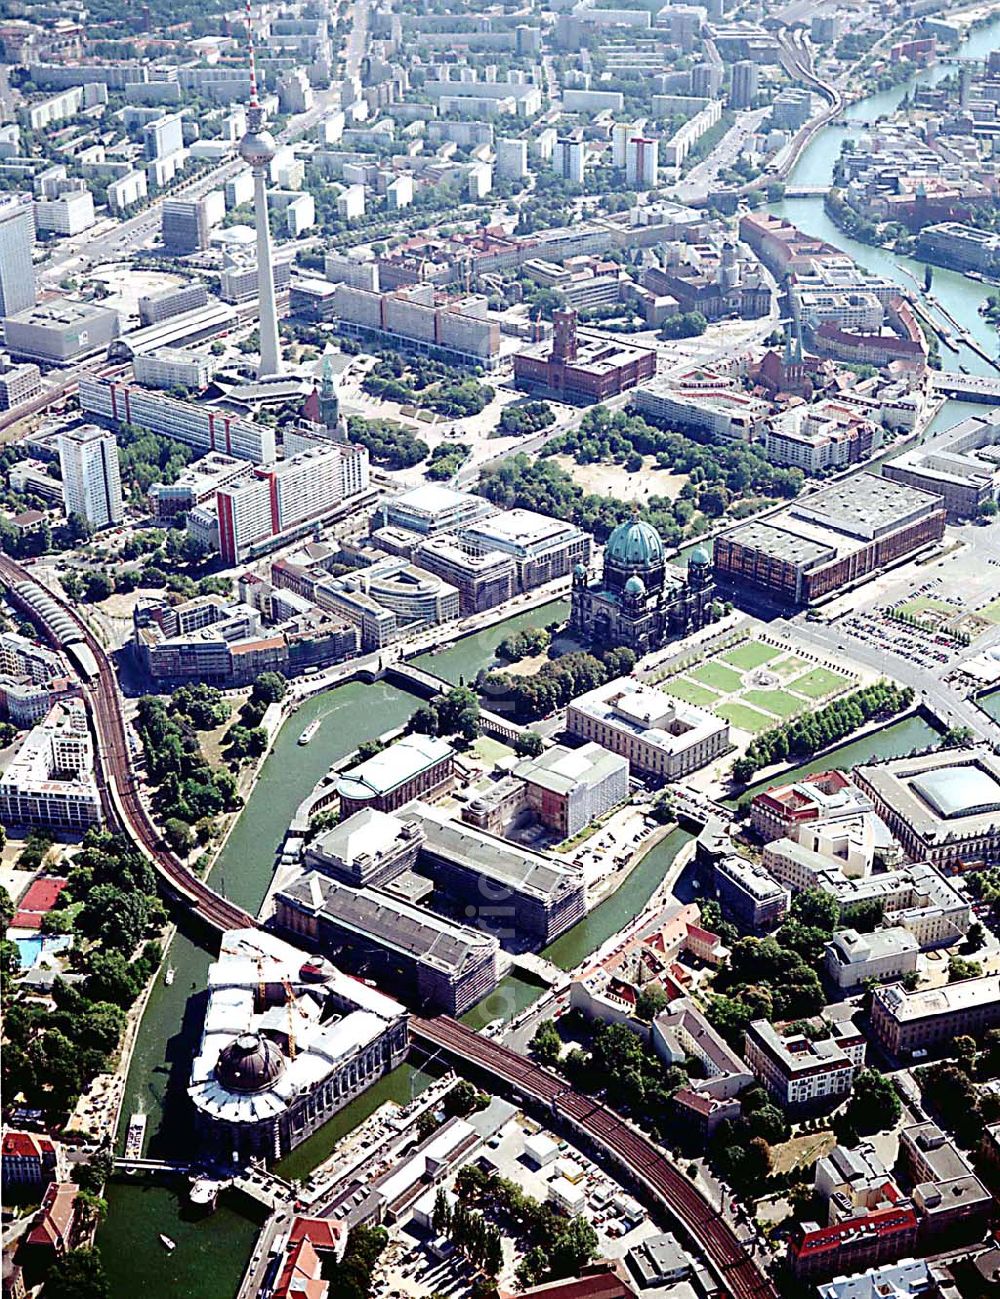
{"x": 640, "y": 600}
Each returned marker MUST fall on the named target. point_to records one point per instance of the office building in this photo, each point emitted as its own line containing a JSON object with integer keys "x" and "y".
{"x": 801, "y": 1072}
{"x": 915, "y": 897}
{"x": 49, "y": 783}
{"x": 567, "y": 789}
{"x": 717, "y": 409}
{"x": 640, "y": 600}
{"x": 157, "y": 307}
{"x": 432, "y": 508}
{"x": 415, "y": 318}
{"x": 270, "y": 502}
{"x": 960, "y": 247}
{"x": 905, "y": 1022}
{"x": 944, "y": 808}
{"x": 749, "y": 895}
{"x": 17, "y": 237}
{"x": 185, "y": 224}
{"x": 830, "y": 541}
{"x": 911, "y": 1278}
{"x": 951, "y": 1202}
{"x": 68, "y": 213}
{"x": 659, "y": 735}
{"x": 435, "y": 964}
{"x": 959, "y": 465}
{"x": 828, "y": 796}
{"x": 581, "y": 367}
{"x": 174, "y": 367}
{"x": 542, "y": 548}
{"x": 745, "y": 80}
{"x": 60, "y": 331}
{"x": 92, "y": 487}
{"x": 18, "y": 383}
{"x": 201, "y": 427}
{"x": 852, "y": 958}
{"x": 482, "y": 581}
{"x": 287, "y": 1041}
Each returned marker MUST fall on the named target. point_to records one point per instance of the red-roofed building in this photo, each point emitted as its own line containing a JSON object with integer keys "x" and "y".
{"x": 881, "y": 1236}
{"x": 602, "y": 1280}
{"x": 301, "y": 1277}
{"x": 55, "y": 1227}
{"x": 40, "y": 898}
{"x": 326, "y": 1235}
{"x": 28, "y": 1159}
{"x": 778, "y": 812}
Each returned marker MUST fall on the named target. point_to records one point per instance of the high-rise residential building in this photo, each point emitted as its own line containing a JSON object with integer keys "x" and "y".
{"x": 569, "y": 159}
{"x": 92, "y": 484}
{"x": 185, "y": 223}
{"x": 163, "y": 136}
{"x": 641, "y": 155}
{"x": 257, "y": 149}
{"x": 744, "y": 87}
{"x": 17, "y": 234}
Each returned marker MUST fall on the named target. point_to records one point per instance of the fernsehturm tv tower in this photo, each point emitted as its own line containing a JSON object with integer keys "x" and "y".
{"x": 257, "y": 148}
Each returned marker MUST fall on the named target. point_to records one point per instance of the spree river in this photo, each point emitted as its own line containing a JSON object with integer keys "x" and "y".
{"x": 212, "y": 1251}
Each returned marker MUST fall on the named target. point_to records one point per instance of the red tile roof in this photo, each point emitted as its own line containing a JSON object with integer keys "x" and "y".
{"x": 26, "y": 1145}
{"x": 322, "y": 1233}
{"x": 54, "y": 1229}
{"x": 603, "y": 1283}
{"x": 300, "y": 1277}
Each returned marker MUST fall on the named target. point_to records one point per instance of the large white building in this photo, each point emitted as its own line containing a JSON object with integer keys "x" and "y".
{"x": 174, "y": 367}
{"x": 658, "y": 734}
{"x": 274, "y": 499}
{"x": 851, "y": 958}
{"x": 91, "y": 477}
{"x": 49, "y": 782}
{"x": 641, "y": 169}
{"x": 728, "y": 414}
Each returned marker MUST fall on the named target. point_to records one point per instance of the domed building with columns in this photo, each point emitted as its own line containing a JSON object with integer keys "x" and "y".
{"x": 640, "y": 600}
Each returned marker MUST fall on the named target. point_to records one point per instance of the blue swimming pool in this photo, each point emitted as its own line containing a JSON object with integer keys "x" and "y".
{"x": 35, "y": 945}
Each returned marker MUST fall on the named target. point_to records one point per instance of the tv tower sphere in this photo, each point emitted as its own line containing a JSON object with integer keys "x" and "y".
{"x": 257, "y": 147}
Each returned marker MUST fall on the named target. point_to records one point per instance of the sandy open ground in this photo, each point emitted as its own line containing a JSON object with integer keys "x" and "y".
{"x": 615, "y": 480}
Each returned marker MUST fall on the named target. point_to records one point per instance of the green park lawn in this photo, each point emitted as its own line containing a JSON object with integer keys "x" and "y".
{"x": 690, "y": 692}
{"x": 818, "y": 683}
{"x": 750, "y": 654}
{"x": 924, "y": 602}
{"x": 717, "y": 676}
{"x": 990, "y": 611}
{"x": 778, "y": 702}
{"x": 788, "y": 667}
{"x": 747, "y": 719}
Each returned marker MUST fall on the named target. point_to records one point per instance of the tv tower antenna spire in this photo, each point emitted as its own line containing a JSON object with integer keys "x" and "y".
{"x": 257, "y": 149}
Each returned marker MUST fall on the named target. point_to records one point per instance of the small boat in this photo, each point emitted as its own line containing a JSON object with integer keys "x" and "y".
{"x": 168, "y": 1244}
{"x": 310, "y": 731}
{"x": 170, "y": 975}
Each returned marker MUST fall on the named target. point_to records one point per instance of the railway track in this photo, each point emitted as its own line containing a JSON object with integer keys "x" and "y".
{"x": 648, "y": 1166}
{"x": 123, "y": 805}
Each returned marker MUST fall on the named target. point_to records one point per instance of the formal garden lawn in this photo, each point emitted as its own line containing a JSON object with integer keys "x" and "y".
{"x": 746, "y": 718}
{"x": 750, "y": 654}
{"x": 818, "y": 683}
{"x": 717, "y": 676}
{"x": 690, "y": 692}
{"x": 778, "y": 702}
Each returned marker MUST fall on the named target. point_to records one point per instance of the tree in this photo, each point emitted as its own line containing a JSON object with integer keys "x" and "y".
{"x": 269, "y": 688}
{"x": 77, "y": 1275}
{"x": 528, "y": 744}
{"x": 959, "y": 968}
{"x": 650, "y": 1002}
{"x": 546, "y": 1044}
{"x": 572, "y": 1248}
{"x": 178, "y": 835}
{"x": 816, "y": 908}
{"x": 874, "y": 1104}
{"x": 975, "y": 937}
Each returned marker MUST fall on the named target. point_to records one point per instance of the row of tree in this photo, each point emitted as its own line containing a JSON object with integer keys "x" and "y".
{"x": 389, "y": 445}
{"x": 805, "y": 735}
{"x": 454, "y": 713}
{"x": 469, "y": 1232}
{"x": 524, "y": 644}
{"x": 557, "y": 681}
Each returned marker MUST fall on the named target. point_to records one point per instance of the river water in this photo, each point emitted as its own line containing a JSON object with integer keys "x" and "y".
{"x": 212, "y": 1251}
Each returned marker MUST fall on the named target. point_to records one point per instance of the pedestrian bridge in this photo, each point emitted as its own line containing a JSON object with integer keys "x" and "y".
{"x": 805, "y": 191}
{"x": 420, "y": 682}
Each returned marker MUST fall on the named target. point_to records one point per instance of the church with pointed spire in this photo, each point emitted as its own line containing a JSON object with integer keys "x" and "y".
{"x": 640, "y": 600}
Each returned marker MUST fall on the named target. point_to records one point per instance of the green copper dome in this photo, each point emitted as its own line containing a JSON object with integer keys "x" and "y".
{"x": 700, "y": 556}
{"x": 635, "y": 585}
{"x": 634, "y": 545}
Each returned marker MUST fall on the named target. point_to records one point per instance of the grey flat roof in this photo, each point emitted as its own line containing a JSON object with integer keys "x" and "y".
{"x": 516, "y": 868}
{"x": 779, "y": 544}
{"x": 392, "y": 923}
